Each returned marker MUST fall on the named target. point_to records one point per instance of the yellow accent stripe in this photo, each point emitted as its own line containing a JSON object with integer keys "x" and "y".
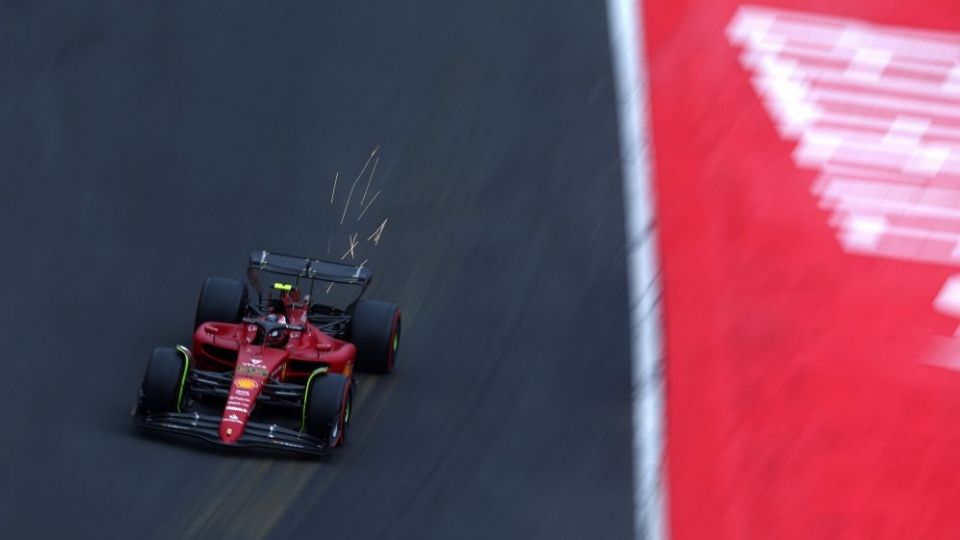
{"x": 183, "y": 377}
{"x": 306, "y": 392}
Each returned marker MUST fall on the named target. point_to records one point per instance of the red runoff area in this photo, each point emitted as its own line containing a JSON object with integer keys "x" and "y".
{"x": 797, "y": 402}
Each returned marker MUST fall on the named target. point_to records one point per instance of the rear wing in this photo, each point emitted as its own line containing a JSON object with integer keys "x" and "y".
{"x": 305, "y": 267}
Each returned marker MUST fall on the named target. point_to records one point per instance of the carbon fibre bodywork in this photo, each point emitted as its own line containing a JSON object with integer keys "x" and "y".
{"x": 256, "y": 434}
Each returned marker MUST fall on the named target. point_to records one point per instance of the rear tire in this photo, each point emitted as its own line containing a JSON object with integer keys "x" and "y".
{"x": 162, "y": 381}
{"x": 221, "y": 300}
{"x": 375, "y": 330}
{"x": 327, "y": 410}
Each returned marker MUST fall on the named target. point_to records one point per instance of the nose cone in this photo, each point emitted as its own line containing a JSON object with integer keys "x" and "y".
{"x": 231, "y": 428}
{"x": 254, "y": 365}
{"x": 243, "y": 395}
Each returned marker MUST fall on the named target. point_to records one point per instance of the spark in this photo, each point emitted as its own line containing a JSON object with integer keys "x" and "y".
{"x": 369, "y": 205}
{"x": 359, "y": 268}
{"x": 357, "y": 179}
{"x": 353, "y": 243}
{"x": 334, "y": 192}
{"x": 377, "y": 233}
{"x": 372, "y": 171}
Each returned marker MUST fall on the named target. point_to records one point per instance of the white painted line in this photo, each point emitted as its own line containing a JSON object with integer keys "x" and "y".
{"x": 649, "y": 470}
{"x": 884, "y": 83}
{"x": 799, "y": 51}
{"x": 896, "y": 105}
{"x": 827, "y": 116}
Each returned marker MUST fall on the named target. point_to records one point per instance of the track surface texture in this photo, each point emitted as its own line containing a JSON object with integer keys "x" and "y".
{"x": 146, "y": 146}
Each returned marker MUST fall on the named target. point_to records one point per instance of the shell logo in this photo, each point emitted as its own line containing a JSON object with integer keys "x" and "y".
{"x": 246, "y": 384}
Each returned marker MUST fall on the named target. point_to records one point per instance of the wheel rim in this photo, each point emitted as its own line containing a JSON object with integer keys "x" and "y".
{"x": 340, "y": 424}
{"x": 395, "y": 341}
{"x": 335, "y": 431}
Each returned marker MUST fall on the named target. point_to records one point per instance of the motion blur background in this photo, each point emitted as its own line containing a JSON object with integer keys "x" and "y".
{"x": 144, "y": 146}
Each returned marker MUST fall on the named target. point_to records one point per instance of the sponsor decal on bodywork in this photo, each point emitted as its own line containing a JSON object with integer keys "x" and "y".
{"x": 252, "y": 371}
{"x": 245, "y": 383}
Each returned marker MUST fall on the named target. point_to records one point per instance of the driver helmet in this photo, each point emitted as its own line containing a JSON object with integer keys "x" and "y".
{"x": 277, "y": 336}
{"x": 276, "y": 318}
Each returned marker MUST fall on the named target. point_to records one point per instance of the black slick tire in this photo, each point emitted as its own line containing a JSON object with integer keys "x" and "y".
{"x": 328, "y": 408}
{"x": 375, "y": 331}
{"x": 162, "y": 381}
{"x": 221, "y": 300}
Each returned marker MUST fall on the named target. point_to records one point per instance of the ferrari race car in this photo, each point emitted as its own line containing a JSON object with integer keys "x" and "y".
{"x": 277, "y": 372}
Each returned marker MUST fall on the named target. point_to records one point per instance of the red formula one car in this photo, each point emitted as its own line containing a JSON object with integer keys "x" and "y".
{"x": 274, "y": 373}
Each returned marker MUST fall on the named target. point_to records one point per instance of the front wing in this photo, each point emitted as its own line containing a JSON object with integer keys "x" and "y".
{"x": 255, "y": 434}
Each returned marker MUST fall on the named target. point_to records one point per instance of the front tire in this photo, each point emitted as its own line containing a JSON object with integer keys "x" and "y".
{"x": 375, "y": 330}
{"x": 328, "y": 408}
{"x": 163, "y": 381}
{"x": 221, "y": 300}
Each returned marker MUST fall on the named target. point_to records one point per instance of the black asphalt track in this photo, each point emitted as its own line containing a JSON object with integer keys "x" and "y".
{"x": 146, "y": 145}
